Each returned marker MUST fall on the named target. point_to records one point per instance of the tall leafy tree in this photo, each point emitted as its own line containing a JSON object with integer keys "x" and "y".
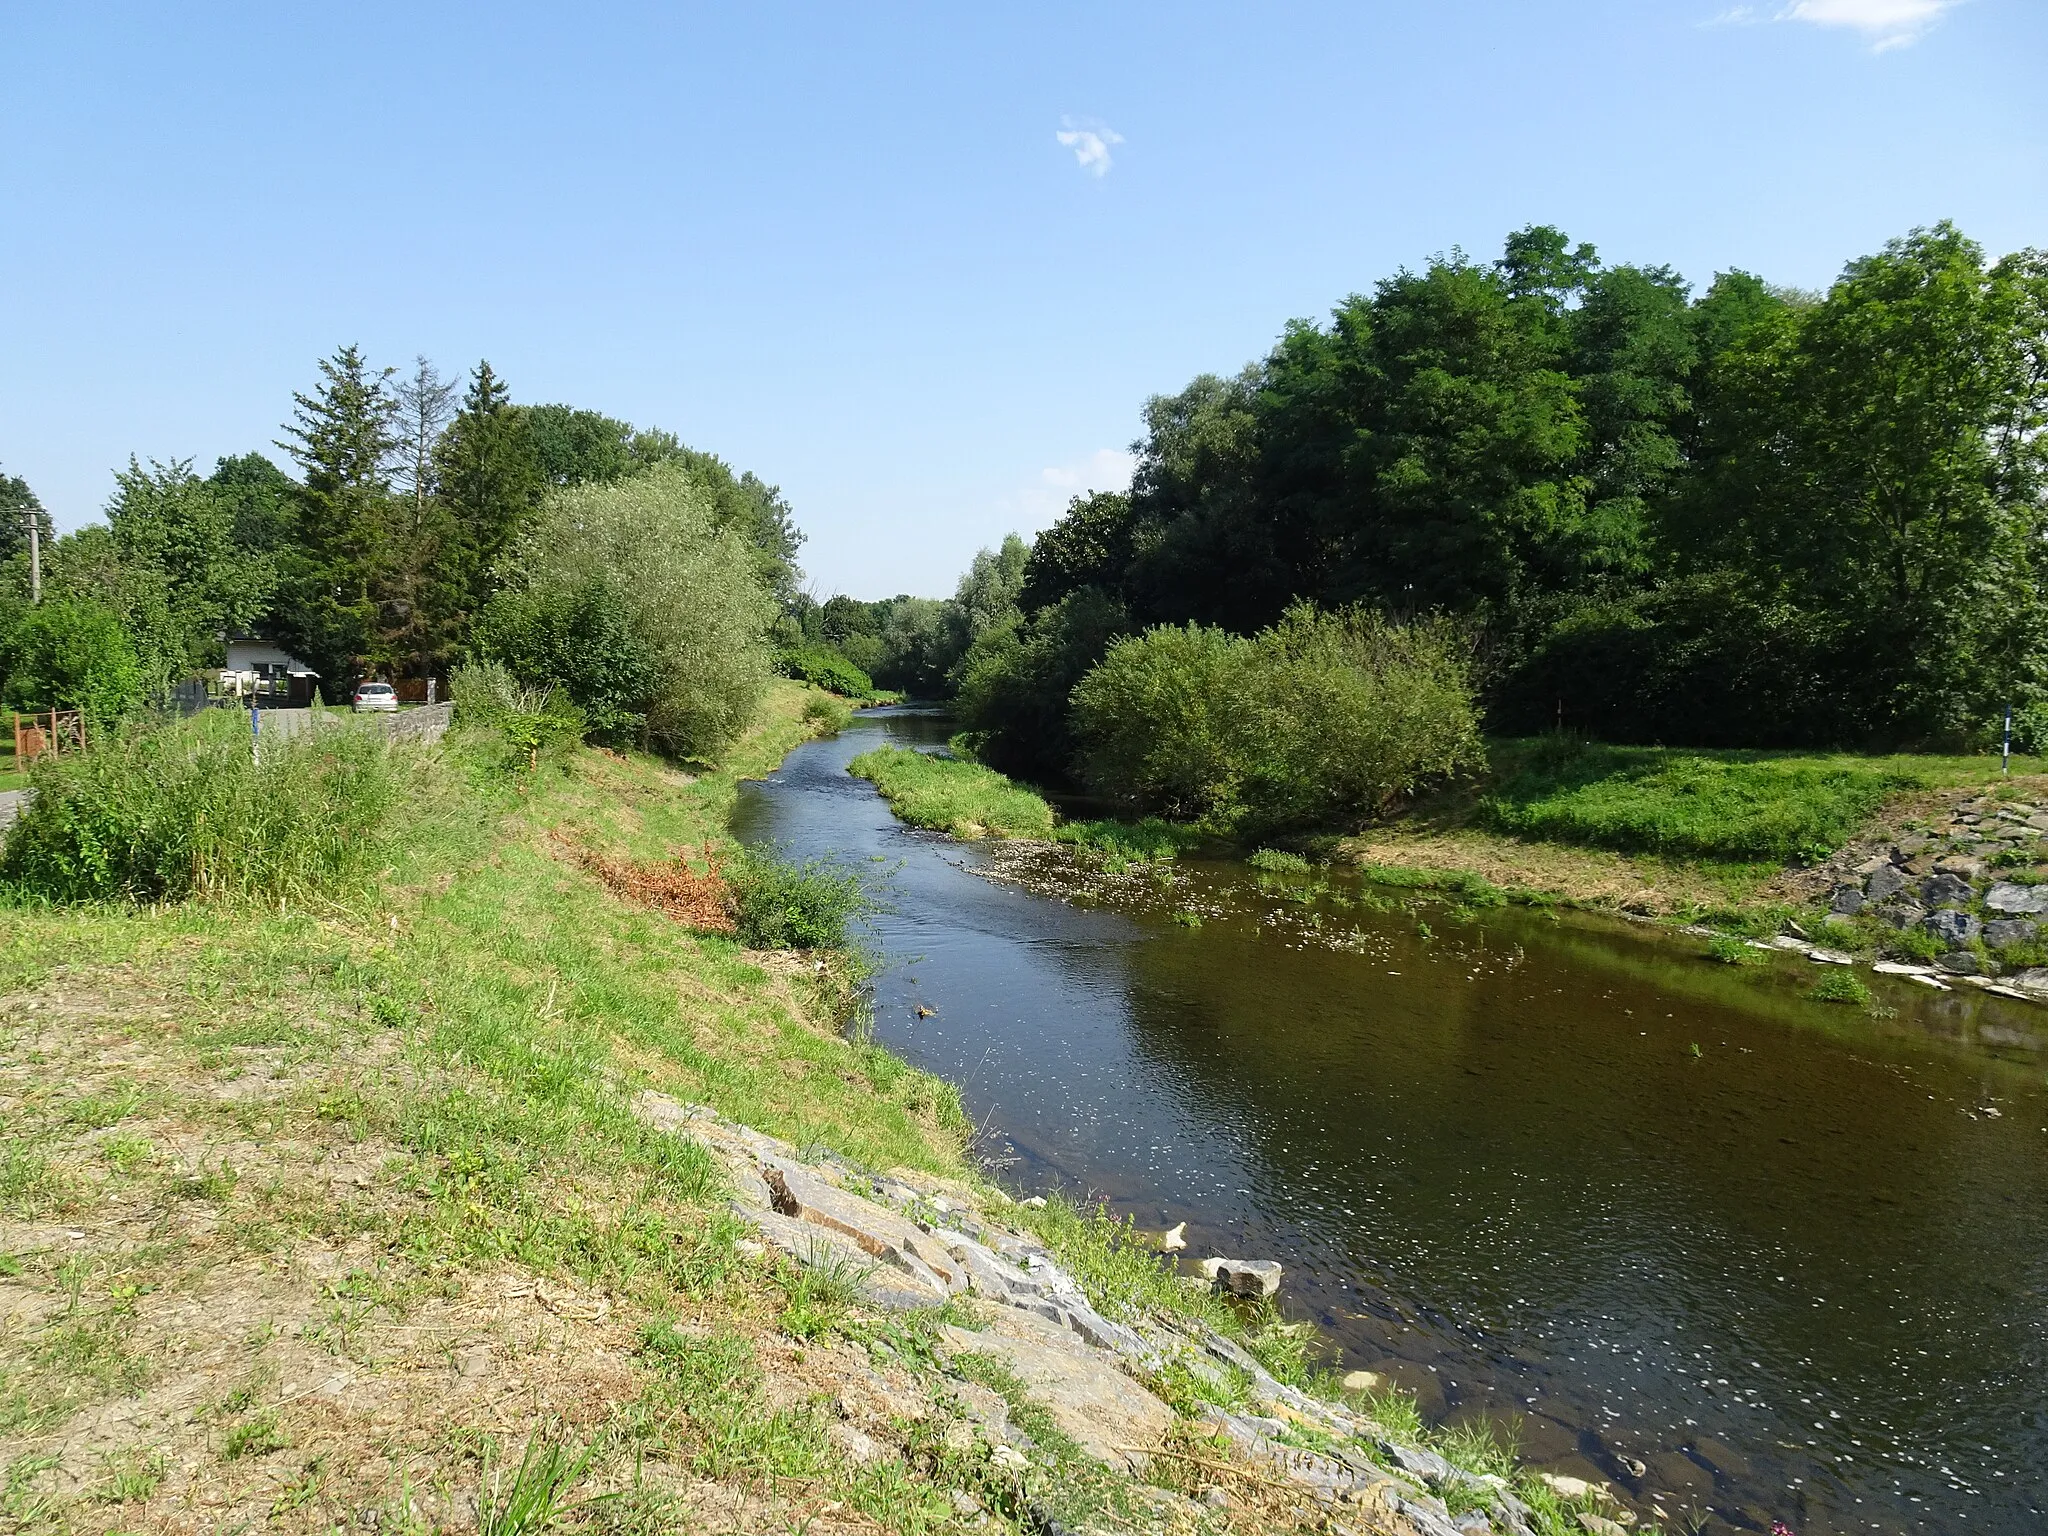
{"x": 1873, "y": 466}
{"x": 18, "y": 507}
{"x": 174, "y": 536}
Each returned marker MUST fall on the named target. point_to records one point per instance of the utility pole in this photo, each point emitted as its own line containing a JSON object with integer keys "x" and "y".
{"x": 35, "y": 556}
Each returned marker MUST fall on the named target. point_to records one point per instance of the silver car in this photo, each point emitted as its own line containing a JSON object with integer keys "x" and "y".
{"x": 375, "y": 696}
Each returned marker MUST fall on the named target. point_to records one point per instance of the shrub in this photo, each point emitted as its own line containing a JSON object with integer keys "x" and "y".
{"x": 675, "y": 601}
{"x": 1275, "y": 861}
{"x": 1324, "y": 715}
{"x": 487, "y": 697}
{"x": 823, "y": 667}
{"x": 190, "y": 810}
{"x": 1016, "y": 679}
{"x": 829, "y": 714}
{"x": 778, "y": 904}
{"x": 580, "y": 643}
{"x": 1160, "y": 721}
{"x": 71, "y": 653}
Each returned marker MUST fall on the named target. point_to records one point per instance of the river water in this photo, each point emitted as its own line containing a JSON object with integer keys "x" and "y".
{"x": 1790, "y": 1257}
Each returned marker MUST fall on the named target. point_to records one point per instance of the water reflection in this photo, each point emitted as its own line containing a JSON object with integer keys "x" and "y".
{"x": 1797, "y": 1273}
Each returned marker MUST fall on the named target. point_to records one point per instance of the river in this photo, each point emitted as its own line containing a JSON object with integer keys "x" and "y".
{"x": 1789, "y": 1257}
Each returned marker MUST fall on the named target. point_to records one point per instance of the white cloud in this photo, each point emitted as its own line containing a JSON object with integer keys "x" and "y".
{"x": 1887, "y": 23}
{"x": 1039, "y": 504}
{"x": 1090, "y": 144}
{"x": 1106, "y": 469}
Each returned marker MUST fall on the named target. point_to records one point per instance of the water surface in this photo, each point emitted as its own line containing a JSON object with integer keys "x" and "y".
{"x": 1791, "y": 1258}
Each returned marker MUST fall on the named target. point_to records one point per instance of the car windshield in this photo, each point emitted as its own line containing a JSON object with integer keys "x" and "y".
{"x": 375, "y": 688}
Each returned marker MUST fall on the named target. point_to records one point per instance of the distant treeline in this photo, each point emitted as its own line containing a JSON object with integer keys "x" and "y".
{"x": 1744, "y": 517}
{"x": 426, "y": 523}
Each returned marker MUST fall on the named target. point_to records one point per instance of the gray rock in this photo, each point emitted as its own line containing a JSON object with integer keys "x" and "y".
{"x": 1099, "y": 1407}
{"x": 1953, "y": 928}
{"x": 2017, "y": 899}
{"x": 1961, "y": 963}
{"x": 2034, "y": 982}
{"x": 1944, "y": 890}
{"x": 1962, "y": 868}
{"x": 1902, "y": 914}
{"x": 1845, "y": 901}
{"x": 2007, "y": 932}
{"x": 1884, "y": 883}
{"x": 1249, "y": 1277}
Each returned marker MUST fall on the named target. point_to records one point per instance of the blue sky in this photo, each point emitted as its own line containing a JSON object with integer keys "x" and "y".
{"x": 918, "y": 264}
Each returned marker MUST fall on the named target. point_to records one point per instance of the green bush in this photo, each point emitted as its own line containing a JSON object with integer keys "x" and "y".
{"x": 1731, "y": 949}
{"x": 71, "y": 653}
{"x": 193, "y": 810}
{"x": 489, "y": 698}
{"x": 828, "y": 713}
{"x": 1016, "y": 679}
{"x": 579, "y": 644}
{"x": 949, "y": 795}
{"x": 823, "y": 667}
{"x": 676, "y": 600}
{"x": 779, "y": 904}
{"x": 1690, "y": 804}
{"x": 1160, "y": 722}
{"x": 1322, "y": 716}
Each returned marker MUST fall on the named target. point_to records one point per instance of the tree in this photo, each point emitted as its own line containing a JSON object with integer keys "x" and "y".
{"x": 490, "y": 480}
{"x": 262, "y": 500}
{"x": 342, "y": 437}
{"x": 72, "y": 653}
{"x": 19, "y": 506}
{"x": 986, "y": 598}
{"x": 640, "y": 572}
{"x": 576, "y": 447}
{"x": 1873, "y": 466}
{"x": 424, "y": 402}
{"x": 175, "y": 536}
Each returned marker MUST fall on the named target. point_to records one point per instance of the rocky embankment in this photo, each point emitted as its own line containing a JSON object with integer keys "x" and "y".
{"x": 1965, "y": 892}
{"x": 915, "y": 1242}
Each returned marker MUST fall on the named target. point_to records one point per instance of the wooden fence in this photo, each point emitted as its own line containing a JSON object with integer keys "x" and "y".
{"x": 54, "y": 730}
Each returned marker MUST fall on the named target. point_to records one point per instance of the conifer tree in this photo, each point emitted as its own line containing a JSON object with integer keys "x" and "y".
{"x": 490, "y": 479}
{"x": 341, "y": 436}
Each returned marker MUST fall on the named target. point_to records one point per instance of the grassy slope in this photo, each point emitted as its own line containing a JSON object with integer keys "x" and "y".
{"x": 246, "y": 1153}
{"x": 307, "y": 1213}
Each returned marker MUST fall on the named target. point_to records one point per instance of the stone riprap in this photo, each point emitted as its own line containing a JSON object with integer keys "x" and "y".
{"x": 915, "y": 1240}
{"x": 1954, "y": 883}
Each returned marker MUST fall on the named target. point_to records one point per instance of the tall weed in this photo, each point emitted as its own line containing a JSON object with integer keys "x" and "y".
{"x": 201, "y": 808}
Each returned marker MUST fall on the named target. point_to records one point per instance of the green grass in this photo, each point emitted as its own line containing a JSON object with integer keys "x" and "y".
{"x": 952, "y": 795}
{"x": 1840, "y": 986}
{"x": 1702, "y": 804}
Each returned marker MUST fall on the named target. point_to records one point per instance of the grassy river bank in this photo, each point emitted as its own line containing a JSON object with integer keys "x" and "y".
{"x": 1743, "y": 842}
{"x": 340, "y": 1211}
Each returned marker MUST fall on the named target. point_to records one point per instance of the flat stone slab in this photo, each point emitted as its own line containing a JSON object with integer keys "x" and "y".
{"x": 1095, "y": 1404}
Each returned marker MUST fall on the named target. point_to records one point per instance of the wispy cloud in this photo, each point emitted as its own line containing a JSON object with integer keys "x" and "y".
{"x": 1090, "y": 144}
{"x": 1040, "y": 503}
{"x": 1887, "y": 23}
